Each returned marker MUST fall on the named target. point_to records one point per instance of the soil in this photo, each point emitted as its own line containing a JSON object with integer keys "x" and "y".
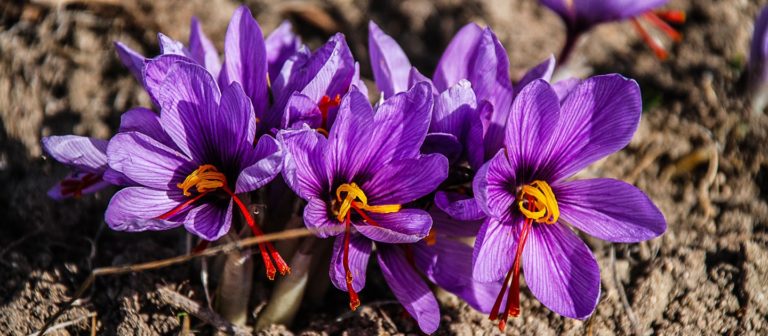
{"x": 700, "y": 154}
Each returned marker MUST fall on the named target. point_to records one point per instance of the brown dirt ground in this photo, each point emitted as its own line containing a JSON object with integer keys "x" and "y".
{"x": 700, "y": 155}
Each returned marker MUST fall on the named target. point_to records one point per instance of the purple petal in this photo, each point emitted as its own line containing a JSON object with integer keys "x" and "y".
{"x": 489, "y": 71}
{"x": 407, "y": 180}
{"x": 146, "y": 121}
{"x": 453, "y": 64}
{"x": 495, "y": 185}
{"x": 391, "y": 67}
{"x": 132, "y": 60}
{"x": 543, "y": 70}
{"x": 301, "y": 110}
{"x": 458, "y": 206}
{"x": 495, "y": 249}
{"x": 401, "y": 124}
{"x": 117, "y": 178}
{"x": 448, "y": 263}
{"x": 232, "y": 127}
{"x": 445, "y": 225}
{"x": 564, "y": 87}
{"x": 452, "y": 110}
{"x": 147, "y": 161}
{"x": 598, "y": 118}
{"x": 474, "y": 143}
{"x": 208, "y": 221}
{"x": 532, "y": 122}
{"x": 201, "y": 49}
{"x": 609, "y": 209}
{"x": 317, "y": 217}
{"x": 281, "y": 44}
{"x": 442, "y": 143}
{"x": 359, "y": 252}
{"x": 561, "y": 271}
{"x": 154, "y": 72}
{"x": 404, "y": 226}
{"x": 409, "y": 288}
{"x": 304, "y": 166}
{"x": 245, "y": 58}
{"x": 134, "y": 209}
{"x": 267, "y": 160}
{"x": 82, "y": 153}
{"x": 169, "y": 46}
{"x": 189, "y": 98}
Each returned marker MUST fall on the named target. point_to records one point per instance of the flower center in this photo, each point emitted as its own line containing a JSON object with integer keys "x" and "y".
{"x": 352, "y": 197}
{"x": 325, "y": 104}
{"x": 539, "y": 197}
{"x": 206, "y": 179}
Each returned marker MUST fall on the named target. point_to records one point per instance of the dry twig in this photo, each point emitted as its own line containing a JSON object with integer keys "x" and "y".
{"x": 186, "y": 304}
{"x": 66, "y": 324}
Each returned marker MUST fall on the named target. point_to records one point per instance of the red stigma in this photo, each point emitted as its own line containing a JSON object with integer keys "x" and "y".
{"x": 354, "y": 300}
{"x": 325, "y": 104}
{"x": 74, "y": 186}
{"x": 660, "y": 19}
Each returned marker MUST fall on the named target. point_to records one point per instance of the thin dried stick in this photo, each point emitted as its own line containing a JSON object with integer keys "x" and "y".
{"x": 186, "y": 304}
{"x": 66, "y": 324}
{"x": 237, "y": 245}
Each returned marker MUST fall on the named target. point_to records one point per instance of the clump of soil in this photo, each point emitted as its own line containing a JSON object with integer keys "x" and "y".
{"x": 699, "y": 154}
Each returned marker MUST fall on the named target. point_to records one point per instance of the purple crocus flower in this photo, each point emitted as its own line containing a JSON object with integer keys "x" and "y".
{"x": 530, "y": 203}
{"x": 87, "y": 157}
{"x": 189, "y": 163}
{"x": 581, "y": 16}
{"x": 362, "y": 177}
{"x": 757, "y": 67}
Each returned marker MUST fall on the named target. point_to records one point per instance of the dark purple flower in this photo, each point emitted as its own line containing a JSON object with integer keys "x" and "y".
{"x": 87, "y": 157}
{"x": 581, "y": 16}
{"x": 189, "y": 163}
{"x": 758, "y": 63}
{"x": 362, "y": 177}
{"x": 530, "y": 203}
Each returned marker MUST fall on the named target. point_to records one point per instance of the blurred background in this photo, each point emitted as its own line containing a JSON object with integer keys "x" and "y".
{"x": 700, "y": 154}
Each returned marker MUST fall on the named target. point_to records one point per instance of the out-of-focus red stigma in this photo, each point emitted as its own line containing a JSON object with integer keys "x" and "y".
{"x": 659, "y": 20}
{"x": 75, "y": 186}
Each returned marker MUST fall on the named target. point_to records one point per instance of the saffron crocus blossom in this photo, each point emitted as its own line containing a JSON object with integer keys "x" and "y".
{"x": 530, "y": 204}
{"x": 87, "y": 157}
{"x": 310, "y": 86}
{"x": 581, "y": 16}
{"x": 358, "y": 182}
{"x": 189, "y": 164}
{"x": 757, "y": 67}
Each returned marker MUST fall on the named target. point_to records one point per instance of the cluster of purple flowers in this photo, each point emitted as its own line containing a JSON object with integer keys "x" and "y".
{"x": 467, "y": 153}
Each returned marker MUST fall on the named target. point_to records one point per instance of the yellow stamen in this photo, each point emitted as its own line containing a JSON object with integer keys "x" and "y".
{"x": 545, "y": 209}
{"x": 204, "y": 178}
{"x": 354, "y": 195}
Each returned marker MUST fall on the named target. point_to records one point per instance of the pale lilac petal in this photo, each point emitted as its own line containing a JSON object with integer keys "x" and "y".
{"x": 318, "y": 217}
{"x": 458, "y": 206}
{"x": 495, "y": 248}
{"x": 132, "y": 60}
{"x": 598, "y": 118}
{"x": 208, "y": 221}
{"x": 245, "y": 58}
{"x": 147, "y": 161}
{"x": 304, "y": 166}
{"x": 401, "y": 124}
{"x": 269, "y": 163}
{"x": 409, "y": 288}
{"x": 391, "y": 67}
{"x": 188, "y": 99}
{"x": 404, "y": 226}
{"x": 448, "y": 263}
{"x": 202, "y": 50}
{"x": 561, "y": 271}
{"x": 453, "y": 64}
{"x": 143, "y": 120}
{"x": 405, "y": 181}
{"x": 301, "y": 110}
{"x": 135, "y": 209}
{"x": 169, "y": 46}
{"x": 359, "y": 252}
{"x": 83, "y": 153}
{"x": 154, "y": 72}
{"x": 543, "y": 70}
{"x": 564, "y": 87}
{"x": 281, "y": 44}
{"x": 495, "y": 186}
{"x": 532, "y": 122}
{"x": 609, "y": 209}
